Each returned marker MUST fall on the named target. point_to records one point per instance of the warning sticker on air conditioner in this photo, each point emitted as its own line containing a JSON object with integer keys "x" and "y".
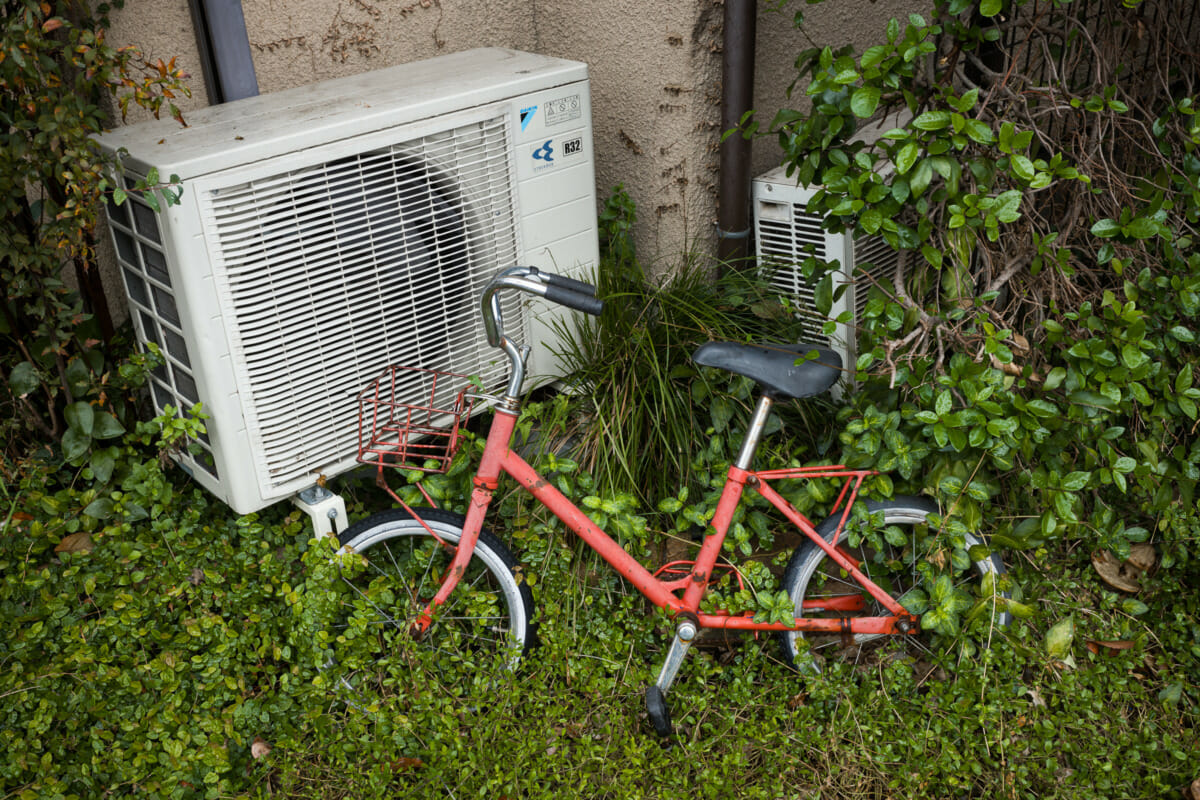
{"x": 565, "y": 109}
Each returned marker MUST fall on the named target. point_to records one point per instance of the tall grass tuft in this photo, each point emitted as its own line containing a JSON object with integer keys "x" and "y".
{"x": 642, "y": 408}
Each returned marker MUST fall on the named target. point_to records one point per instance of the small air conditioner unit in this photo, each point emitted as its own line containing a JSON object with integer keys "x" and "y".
{"x": 328, "y": 231}
{"x": 787, "y": 234}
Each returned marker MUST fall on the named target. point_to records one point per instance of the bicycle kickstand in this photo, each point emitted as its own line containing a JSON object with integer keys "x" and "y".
{"x": 656, "y": 693}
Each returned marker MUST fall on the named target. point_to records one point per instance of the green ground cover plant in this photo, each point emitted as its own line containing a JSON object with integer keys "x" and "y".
{"x": 187, "y": 654}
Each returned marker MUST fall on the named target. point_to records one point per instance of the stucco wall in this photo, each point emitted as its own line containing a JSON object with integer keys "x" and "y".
{"x": 294, "y": 42}
{"x": 655, "y": 71}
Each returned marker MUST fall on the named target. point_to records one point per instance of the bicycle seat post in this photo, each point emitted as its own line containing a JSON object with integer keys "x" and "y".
{"x": 754, "y": 432}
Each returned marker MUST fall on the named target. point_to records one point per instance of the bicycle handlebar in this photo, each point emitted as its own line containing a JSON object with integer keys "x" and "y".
{"x": 559, "y": 289}
{"x": 563, "y": 282}
{"x": 555, "y": 288}
{"x": 587, "y": 303}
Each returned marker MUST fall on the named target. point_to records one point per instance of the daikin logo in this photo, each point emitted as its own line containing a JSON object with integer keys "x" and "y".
{"x": 545, "y": 152}
{"x": 527, "y": 116}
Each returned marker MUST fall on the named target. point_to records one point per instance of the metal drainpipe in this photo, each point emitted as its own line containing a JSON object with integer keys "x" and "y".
{"x": 737, "y": 97}
{"x": 224, "y": 49}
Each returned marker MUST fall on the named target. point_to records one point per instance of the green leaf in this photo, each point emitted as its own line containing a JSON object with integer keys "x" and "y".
{"x": 990, "y": 8}
{"x": 823, "y": 294}
{"x": 1075, "y": 481}
{"x": 932, "y": 121}
{"x": 100, "y": 508}
{"x": 1086, "y": 398}
{"x": 1124, "y": 464}
{"x": 1171, "y": 694}
{"x": 1134, "y": 607}
{"x": 1008, "y": 206}
{"x": 107, "y": 426}
{"x": 1060, "y": 638}
{"x": 1055, "y": 378}
{"x": 1133, "y": 356}
{"x": 24, "y": 379}
{"x": 907, "y": 157}
{"x": 873, "y": 55}
{"x": 102, "y": 464}
{"x": 1106, "y": 228}
{"x": 978, "y": 131}
{"x": 670, "y": 505}
{"x": 944, "y": 403}
{"x": 921, "y": 177}
{"x": 864, "y": 101}
{"x": 721, "y": 411}
{"x": 1141, "y": 228}
{"x": 1022, "y": 167}
{"x": 81, "y": 417}
{"x": 871, "y": 220}
{"x": 75, "y": 444}
{"x": 1043, "y": 409}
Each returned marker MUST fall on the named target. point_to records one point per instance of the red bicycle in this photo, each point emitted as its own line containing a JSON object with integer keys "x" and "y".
{"x": 454, "y": 585}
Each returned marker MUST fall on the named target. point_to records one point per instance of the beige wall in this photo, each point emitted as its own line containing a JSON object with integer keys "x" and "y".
{"x": 655, "y": 70}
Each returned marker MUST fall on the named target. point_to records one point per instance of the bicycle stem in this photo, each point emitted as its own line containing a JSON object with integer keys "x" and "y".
{"x": 493, "y": 323}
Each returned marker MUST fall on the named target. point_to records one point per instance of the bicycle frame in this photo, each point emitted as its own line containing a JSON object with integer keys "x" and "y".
{"x": 680, "y": 596}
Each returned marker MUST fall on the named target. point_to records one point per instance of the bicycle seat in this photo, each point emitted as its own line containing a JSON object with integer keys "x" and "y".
{"x": 774, "y": 367}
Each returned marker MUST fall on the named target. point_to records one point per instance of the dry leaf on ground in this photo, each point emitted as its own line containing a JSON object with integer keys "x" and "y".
{"x": 1108, "y": 647}
{"x": 1125, "y": 576}
{"x": 75, "y": 543}
{"x": 260, "y": 748}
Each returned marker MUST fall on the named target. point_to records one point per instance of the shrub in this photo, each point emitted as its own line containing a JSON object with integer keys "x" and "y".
{"x": 58, "y": 77}
{"x": 1032, "y": 362}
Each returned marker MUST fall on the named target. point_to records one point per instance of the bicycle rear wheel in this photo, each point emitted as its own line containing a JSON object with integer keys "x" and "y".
{"x": 893, "y": 559}
{"x": 484, "y": 624}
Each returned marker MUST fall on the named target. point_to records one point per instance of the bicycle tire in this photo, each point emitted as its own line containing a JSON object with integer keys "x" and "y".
{"x": 811, "y": 570}
{"x": 404, "y": 568}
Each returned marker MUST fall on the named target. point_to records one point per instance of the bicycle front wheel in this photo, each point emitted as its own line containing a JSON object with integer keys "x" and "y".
{"x": 894, "y": 558}
{"x": 484, "y": 623}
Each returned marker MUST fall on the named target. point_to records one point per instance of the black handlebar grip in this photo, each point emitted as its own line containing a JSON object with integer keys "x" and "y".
{"x": 576, "y": 300}
{"x": 563, "y": 282}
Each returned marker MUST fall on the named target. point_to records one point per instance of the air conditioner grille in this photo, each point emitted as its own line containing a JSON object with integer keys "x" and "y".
{"x": 875, "y": 264}
{"x": 782, "y": 245}
{"x": 326, "y": 268}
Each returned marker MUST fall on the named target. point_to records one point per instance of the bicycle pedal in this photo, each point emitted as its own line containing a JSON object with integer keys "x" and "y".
{"x": 656, "y": 709}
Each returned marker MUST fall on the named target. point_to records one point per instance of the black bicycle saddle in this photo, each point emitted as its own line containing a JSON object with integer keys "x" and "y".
{"x": 774, "y": 367}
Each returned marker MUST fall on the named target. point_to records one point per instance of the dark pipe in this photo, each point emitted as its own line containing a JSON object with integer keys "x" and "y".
{"x": 737, "y": 97}
{"x": 224, "y": 49}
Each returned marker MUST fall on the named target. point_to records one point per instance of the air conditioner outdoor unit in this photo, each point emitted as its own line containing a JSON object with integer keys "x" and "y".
{"x": 787, "y": 233}
{"x": 328, "y": 231}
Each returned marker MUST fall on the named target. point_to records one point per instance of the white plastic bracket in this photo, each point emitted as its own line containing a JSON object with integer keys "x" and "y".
{"x": 326, "y": 510}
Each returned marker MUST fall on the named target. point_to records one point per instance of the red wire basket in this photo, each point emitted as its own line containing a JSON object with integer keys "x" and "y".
{"x": 411, "y": 418}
